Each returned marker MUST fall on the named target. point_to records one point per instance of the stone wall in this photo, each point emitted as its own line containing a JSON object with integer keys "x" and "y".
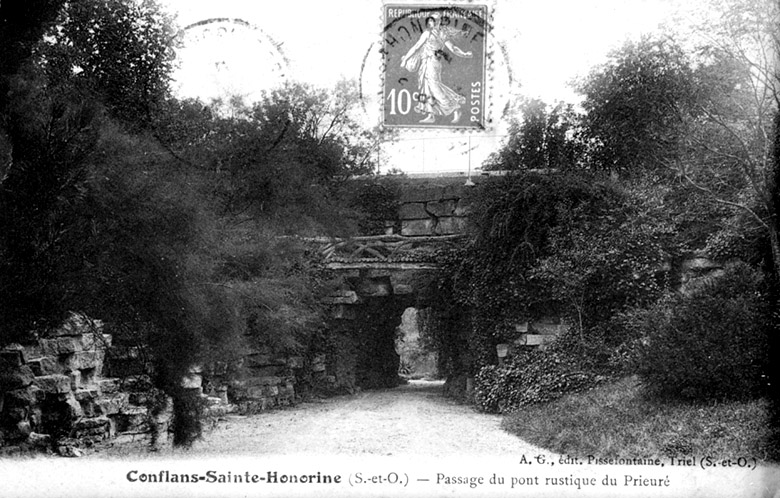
{"x": 267, "y": 381}
{"x": 434, "y": 207}
{"x": 53, "y": 393}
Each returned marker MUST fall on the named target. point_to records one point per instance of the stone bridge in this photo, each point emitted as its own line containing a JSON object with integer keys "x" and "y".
{"x": 431, "y": 216}
{"x": 379, "y": 278}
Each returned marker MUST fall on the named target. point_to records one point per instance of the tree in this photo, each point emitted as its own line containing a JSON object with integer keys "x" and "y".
{"x": 633, "y": 107}
{"x": 47, "y": 141}
{"x": 80, "y": 227}
{"x": 731, "y": 144}
{"x": 542, "y": 138}
{"x": 287, "y": 155}
{"x": 121, "y": 52}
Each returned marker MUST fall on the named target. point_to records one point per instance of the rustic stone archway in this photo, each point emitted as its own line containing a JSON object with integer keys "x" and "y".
{"x": 366, "y": 311}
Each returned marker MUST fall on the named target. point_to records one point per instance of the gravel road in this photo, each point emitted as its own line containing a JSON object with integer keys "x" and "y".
{"x": 414, "y": 419}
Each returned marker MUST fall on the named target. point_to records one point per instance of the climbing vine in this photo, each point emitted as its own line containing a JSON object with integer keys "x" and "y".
{"x": 568, "y": 245}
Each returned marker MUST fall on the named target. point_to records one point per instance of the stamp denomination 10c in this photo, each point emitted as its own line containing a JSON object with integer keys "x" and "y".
{"x": 434, "y": 66}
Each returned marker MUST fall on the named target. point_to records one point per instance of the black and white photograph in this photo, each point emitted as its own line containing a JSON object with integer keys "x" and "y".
{"x": 389, "y": 248}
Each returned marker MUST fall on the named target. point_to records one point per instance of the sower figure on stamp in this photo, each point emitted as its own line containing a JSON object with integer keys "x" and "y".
{"x": 435, "y": 98}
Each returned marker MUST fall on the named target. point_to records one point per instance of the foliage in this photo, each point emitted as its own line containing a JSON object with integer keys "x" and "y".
{"x": 376, "y": 202}
{"x": 543, "y": 138}
{"x": 121, "y": 52}
{"x": 285, "y": 158}
{"x": 562, "y": 242}
{"x": 603, "y": 259}
{"x": 617, "y": 420}
{"x": 711, "y": 344}
{"x": 102, "y": 220}
{"x": 534, "y": 376}
{"x": 43, "y": 189}
{"x": 633, "y": 106}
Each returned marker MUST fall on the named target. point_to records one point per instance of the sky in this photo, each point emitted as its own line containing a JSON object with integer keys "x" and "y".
{"x": 546, "y": 44}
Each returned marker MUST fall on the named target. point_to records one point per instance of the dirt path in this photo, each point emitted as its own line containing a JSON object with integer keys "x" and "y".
{"x": 414, "y": 419}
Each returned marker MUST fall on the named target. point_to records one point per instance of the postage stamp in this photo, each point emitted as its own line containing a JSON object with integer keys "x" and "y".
{"x": 434, "y": 66}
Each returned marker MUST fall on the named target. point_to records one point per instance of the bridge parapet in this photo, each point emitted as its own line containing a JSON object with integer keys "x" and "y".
{"x": 433, "y": 206}
{"x": 390, "y": 251}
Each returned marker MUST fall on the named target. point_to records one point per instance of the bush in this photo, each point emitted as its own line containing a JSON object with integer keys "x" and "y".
{"x": 532, "y": 377}
{"x": 711, "y": 344}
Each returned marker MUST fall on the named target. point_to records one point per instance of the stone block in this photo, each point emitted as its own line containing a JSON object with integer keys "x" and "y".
{"x": 111, "y": 405}
{"x": 450, "y": 226}
{"x": 73, "y": 408}
{"x": 76, "y": 324}
{"x": 11, "y": 358}
{"x": 413, "y": 228}
{"x": 374, "y": 287}
{"x": 92, "y": 428}
{"x": 39, "y": 440}
{"x": 219, "y": 410}
{"x": 17, "y": 378}
{"x": 75, "y": 379}
{"x": 32, "y": 351}
{"x": 441, "y": 208}
{"x": 192, "y": 381}
{"x": 138, "y": 398}
{"x": 341, "y": 297}
{"x": 54, "y": 384}
{"x": 402, "y": 289}
{"x": 84, "y": 360}
{"x": 108, "y": 386}
{"x": 212, "y": 400}
{"x": 413, "y": 211}
{"x": 137, "y": 383}
{"x": 255, "y": 405}
{"x": 46, "y": 365}
{"x": 257, "y": 360}
{"x": 222, "y": 393}
{"x": 269, "y": 371}
{"x": 131, "y": 419}
{"x": 24, "y": 428}
{"x": 67, "y": 344}
{"x": 89, "y": 408}
{"x": 295, "y": 362}
{"x": 272, "y": 390}
{"x": 270, "y": 380}
{"x": 534, "y": 339}
{"x": 85, "y": 394}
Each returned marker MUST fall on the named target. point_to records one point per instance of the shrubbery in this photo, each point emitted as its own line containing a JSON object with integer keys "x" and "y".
{"x": 535, "y": 376}
{"x": 711, "y": 344}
